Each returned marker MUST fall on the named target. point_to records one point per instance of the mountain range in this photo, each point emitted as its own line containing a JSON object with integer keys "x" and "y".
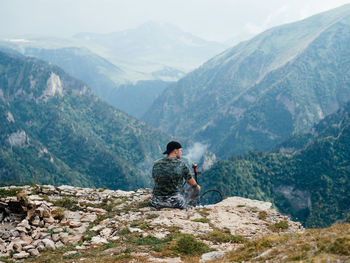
{"x": 153, "y": 45}
{"x": 261, "y": 91}
{"x": 123, "y": 67}
{"x": 108, "y": 81}
{"x": 55, "y": 131}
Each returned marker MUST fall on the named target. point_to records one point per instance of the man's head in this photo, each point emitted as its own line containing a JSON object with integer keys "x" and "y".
{"x": 173, "y": 150}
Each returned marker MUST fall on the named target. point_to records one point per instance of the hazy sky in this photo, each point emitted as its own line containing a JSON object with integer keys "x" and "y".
{"x": 210, "y": 19}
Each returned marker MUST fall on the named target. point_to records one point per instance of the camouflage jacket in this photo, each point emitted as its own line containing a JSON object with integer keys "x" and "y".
{"x": 169, "y": 174}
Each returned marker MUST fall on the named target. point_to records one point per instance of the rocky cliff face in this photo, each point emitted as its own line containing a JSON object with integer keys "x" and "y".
{"x": 73, "y": 220}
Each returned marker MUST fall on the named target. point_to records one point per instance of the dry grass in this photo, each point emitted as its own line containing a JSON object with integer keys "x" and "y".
{"x": 315, "y": 245}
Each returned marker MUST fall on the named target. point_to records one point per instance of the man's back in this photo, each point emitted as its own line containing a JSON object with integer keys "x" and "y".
{"x": 168, "y": 174}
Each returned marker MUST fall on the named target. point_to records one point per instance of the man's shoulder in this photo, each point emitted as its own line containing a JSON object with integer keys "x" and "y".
{"x": 169, "y": 160}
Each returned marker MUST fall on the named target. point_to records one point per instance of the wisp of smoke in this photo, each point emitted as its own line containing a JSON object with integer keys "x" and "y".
{"x": 195, "y": 152}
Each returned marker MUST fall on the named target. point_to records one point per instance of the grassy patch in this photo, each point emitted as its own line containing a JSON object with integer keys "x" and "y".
{"x": 9, "y": 192}
{"x": 314, "y": 245}
{"x": 189, "y": 245}
{"x": 279, "y": 226}
{"x": 217, "y": 236}
{"x": 68, "y": 203}
{"x": 154, "y": 243}
{"x": 89, "y": 234}
{"x": 124, "y": 256}
{"x": 341, "y": 246}
{"x": 152, "y": 216}
{"x": 201, "y": 220}
{"x": 6, "y": 260}
{"x": 262, "y": 215}
{"x": 204, "y": 212}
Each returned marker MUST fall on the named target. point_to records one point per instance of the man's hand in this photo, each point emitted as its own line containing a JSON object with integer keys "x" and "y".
{"x": 193, "y": 183}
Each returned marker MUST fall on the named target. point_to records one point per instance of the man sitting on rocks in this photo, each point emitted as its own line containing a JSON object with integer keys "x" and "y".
{"x": 168, "y": 174}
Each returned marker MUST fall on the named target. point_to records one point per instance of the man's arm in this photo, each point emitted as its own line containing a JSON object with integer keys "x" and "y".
{"x": 193, "y": 183}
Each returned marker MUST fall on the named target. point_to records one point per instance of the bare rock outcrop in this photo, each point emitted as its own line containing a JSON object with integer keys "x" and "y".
{"x": 37, "y": 218}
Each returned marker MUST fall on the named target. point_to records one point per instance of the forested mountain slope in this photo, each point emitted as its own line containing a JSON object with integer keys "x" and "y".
{"x": 307, "y": 176}
{"x": 55, "y": 131}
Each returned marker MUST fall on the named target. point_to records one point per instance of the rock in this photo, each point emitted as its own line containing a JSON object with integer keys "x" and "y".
{"x": 132, "y": 229}
{"x": 96, "y": 240}
{"x": 36, "y": 234}
{"x": 55, "y": 237}
{"x": 106, "y": 233}
{"x": 49, "y": 220}
{"x": 33, "y": 252}
{"x": 2, "y": 248}
{"x": 80, "y": 247}
{"x": 44, "y": 235}
{"x": 97, "y": 228}
{"x": 41, "y": 223}
{"x": 165, "y": 260}
{"x": 64, "y": 237}
{"x": 244, "y": 202}
{"x": 57, "y": 230}
{"x": 49, "y": 244}
{"x": 96, "y": 210}
{"x": 73, "y": 239}
{"x": 36, "y": 221}
{"x": 59, "y": 244}
{"x": 17, "y": 247}
{"x": 70, "y": 253}
{"x": 43, "y": 211}
{"x": 26, "y": 248}
{"x": 37, "y": 243}
{"x": 26, "y": 240}
{"x": 89, "y": 218}
{"x": 24, "y": 223}
{"x": 75, "y": 224}
{"x": 21, "y": 255}
{"x": 41, "y": 247}
{"x": 212, "y": 256}
{"x": 21, "y": 229}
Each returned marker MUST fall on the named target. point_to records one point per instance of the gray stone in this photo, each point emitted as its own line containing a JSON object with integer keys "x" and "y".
{"x": 33, "y": 252}
{"x": 49, "y": 244}
{"x": 64, "y": 237}
{"x": 25, "y": 224}
{"x": 212, "y": 256}
{"x": 49, "y": 220}
{"x": 26, "y": 248}
{"x": 70, "y": 253}
{"x": 41, "y": 247}
{"x": 75, "y": 224}
{"x": 17, "y": 247}
{"x": 96, "y": 240}
{"x": 59, "y": 244}
{"x": 55, "y": 237}
{"x": 21, "y": 255}
{"x": 36, "y": 221}
{"x": 106, "y": 233}
{"x": 44, "y": 235}
{"x": 26, "y": 240}
{"x": 58, "y": 229}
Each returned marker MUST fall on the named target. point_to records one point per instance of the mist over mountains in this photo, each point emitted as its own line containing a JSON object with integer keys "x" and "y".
{"x": 128, "y": 69}
{"x": 155, "y": 43}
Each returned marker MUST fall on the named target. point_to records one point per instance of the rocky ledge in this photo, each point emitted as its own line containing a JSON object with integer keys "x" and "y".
{"x": 41, "y": 218}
